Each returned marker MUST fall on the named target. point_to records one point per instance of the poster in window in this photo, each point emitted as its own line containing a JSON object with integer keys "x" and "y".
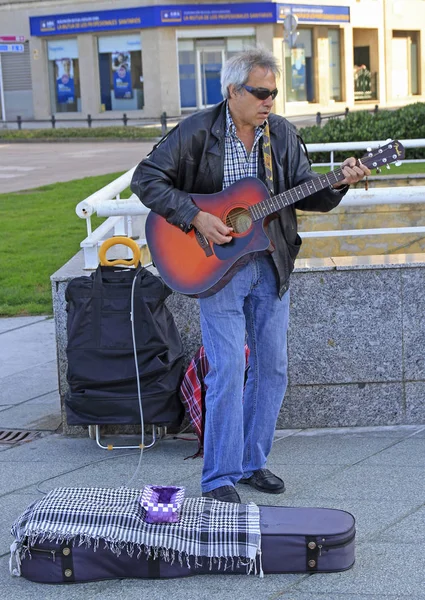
{"x": 298, "y": 68}
{"x": 121, "y": 68}
{"x": 65, "y": 87}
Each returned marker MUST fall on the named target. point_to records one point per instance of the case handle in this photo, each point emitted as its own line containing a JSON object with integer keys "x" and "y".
{"x": 125, "y": 241}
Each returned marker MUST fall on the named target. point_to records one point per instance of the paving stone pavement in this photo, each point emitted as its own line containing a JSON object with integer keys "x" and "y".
{"x": 377, "y": 473}
{"x": 27, "y": 166}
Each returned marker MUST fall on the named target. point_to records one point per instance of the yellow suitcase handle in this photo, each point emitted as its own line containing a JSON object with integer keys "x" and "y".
{"x": 125, "y": 241}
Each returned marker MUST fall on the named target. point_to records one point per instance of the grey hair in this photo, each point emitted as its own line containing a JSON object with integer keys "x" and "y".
{"x": 236, "y": 70}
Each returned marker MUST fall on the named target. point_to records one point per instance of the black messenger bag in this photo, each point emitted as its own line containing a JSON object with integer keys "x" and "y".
{"x": 101, "y": 363}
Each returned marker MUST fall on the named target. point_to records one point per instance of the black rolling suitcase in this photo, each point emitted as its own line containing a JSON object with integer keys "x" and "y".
{"x": 101, "y": 363}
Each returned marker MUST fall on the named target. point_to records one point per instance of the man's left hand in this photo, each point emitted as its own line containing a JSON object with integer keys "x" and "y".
{"x": 353, "y": 172}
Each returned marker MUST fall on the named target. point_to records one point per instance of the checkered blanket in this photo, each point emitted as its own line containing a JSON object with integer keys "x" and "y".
{"x": 206, "y": 528}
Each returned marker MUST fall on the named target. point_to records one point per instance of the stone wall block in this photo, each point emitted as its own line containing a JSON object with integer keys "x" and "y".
{"x": 345, "y": 327}
{"x": 413, "y": 285}
{"x": 349, "y": 405}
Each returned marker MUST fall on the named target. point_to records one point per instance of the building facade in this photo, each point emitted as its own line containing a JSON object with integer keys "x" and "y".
{"x": 146, "y": 57}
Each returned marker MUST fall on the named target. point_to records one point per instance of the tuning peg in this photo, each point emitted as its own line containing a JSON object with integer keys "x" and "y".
{"x": 369, "y": 149}
{"x": 397, "y": 163}
{"x": 378, "y": 170}
{"x": 388, "y": 140}
{"x": 388, "y": 167}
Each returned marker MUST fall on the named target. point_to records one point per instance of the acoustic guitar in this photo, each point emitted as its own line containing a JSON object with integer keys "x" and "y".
{"x": 191, "y": 265}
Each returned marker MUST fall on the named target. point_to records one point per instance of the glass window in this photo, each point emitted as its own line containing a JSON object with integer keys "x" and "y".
{"x": 64, "y": 76}
{"x": 210, "y": 57}
{"x": 200, "y": 63}
{"x": 414, "y": 79}
{"x": 366, "y": 64}
{"x": 234, "y": 45}
{"x": 405, "y": 63}
{"x": 299, "y": 72}
{"x": 187, "y": 62}
{"x": 121, "y": 72}
{"x": 334, "y": 65}
{"x": 363, "y": 77}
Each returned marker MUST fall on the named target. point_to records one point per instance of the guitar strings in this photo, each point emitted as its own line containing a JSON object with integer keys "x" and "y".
{"x": 235, "y": 214}
{"x": 230, "y": 222}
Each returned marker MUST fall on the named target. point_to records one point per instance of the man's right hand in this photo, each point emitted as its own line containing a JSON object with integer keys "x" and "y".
{"x": 212, "y": 228}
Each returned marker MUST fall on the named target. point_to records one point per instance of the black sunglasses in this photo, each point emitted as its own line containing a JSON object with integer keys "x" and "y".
{"x": 261, "y": 93}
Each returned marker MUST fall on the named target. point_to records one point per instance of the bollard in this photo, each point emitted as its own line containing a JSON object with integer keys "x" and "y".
{"x": 164, "y": 123}
{"x": 89, "y": 120}
{"x": 375, "y": 110}
{"x": 347, "y": 110}
{"x": 318, "y": 119}
{"x": 53, "y": 120}
{"x": 125, "y": 119}
{"x": 19, "y": 121}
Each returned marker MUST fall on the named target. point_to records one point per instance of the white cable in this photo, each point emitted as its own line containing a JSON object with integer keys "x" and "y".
{"x": 138, "y": 272}
{"x": 139, "y": 393}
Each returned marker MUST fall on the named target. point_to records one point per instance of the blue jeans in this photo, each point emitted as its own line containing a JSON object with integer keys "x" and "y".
{"x": 239, "y": 425}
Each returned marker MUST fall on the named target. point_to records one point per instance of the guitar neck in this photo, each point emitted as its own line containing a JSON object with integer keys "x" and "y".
{"x": 271, "y": 205}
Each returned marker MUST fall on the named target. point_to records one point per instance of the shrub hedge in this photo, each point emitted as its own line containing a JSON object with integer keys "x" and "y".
{"x": 404, "y": 123}
{"x": 126, "y": 133}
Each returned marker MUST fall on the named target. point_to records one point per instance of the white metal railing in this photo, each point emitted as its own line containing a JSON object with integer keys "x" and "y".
{"x": 338, "y": 146}
{"x": 122, "y": 214}
{"x": 375, "y": 196}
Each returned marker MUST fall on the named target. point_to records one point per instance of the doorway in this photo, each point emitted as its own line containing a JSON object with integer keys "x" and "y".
{"x": 210, "y": 62}
{"x": 200, "y": 64}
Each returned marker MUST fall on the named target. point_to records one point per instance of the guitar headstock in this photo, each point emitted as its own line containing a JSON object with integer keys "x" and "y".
{"x": 392, "y": 152}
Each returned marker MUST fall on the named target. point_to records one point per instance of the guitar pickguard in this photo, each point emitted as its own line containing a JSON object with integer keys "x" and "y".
{"x": 237, "y": 245}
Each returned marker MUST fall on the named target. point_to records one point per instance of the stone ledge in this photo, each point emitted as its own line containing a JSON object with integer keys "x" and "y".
{"x": 355, "y": 342}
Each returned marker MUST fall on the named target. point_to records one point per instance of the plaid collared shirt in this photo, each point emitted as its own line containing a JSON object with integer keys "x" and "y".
{"x": 237, "y": 162}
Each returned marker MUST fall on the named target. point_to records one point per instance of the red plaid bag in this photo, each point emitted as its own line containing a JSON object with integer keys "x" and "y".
{"x": 193, "y": 391}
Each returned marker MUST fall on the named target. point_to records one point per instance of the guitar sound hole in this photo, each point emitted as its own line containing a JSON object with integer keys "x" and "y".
{"x": 240, "y": 219}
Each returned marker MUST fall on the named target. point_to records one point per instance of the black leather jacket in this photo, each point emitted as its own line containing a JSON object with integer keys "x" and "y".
{"x": 191, "y": 160}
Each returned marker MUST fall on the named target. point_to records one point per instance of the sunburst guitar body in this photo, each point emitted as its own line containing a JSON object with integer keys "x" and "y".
{"x": 191, "y": 265}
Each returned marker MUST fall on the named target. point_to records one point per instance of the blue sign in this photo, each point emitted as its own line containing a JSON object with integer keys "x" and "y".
{"x": 65, "y": 90}
{"x": 171, "y": 16}
{"x": 105, "y": 20}
{"x": 154, "y": 16}
{"x": 122, "y": 84}
{"x": 227, "y": 14}
{"x": 314, "y": 14}
{"x": 121, "y": 67}
{"x": 12, "y": 48}
{"x": 184, "y": 15}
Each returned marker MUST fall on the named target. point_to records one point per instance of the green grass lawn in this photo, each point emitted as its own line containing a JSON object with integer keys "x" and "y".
{"x": 40, "y": 233}
{"x": 403, "y": 169}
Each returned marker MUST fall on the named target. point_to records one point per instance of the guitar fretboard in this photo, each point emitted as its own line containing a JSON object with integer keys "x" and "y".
{"x": 271, "y": 205}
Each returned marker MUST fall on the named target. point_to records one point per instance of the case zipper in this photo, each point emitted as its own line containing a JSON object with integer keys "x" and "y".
{"x": 336, "y": 544}
{"x": 42, "y": 550}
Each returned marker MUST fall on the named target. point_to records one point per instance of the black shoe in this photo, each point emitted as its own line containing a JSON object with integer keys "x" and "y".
{"x": 264, "y": 481}
{"x": 225, "y": 493}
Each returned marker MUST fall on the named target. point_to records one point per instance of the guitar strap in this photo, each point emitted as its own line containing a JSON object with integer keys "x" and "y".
{"x": 268, "y": 166}
{"x": 267, "y": 157}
